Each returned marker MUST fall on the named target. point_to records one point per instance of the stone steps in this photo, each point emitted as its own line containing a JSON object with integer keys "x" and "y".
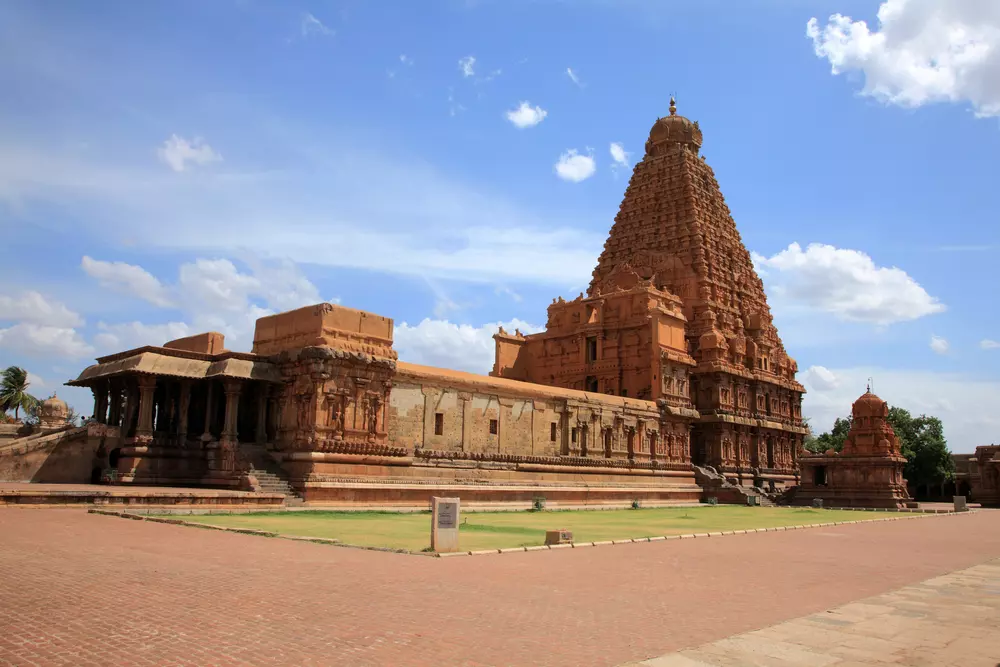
{"x": 271, "y": 478}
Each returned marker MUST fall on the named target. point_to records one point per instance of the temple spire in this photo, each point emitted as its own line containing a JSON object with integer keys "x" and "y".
{"x": 673, "y": 106}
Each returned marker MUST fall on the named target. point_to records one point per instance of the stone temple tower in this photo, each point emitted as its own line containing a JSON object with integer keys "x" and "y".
{"x": 675, "y": 252}
{"x": 675, "y": 230}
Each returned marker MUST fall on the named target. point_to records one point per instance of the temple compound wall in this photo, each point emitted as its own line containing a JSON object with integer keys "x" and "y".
{"x": 324, "y": 397}
{"x": 984, "y": 475}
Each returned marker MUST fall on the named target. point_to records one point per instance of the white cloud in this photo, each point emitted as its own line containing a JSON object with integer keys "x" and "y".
{"x": 506, "y": 291}
{"x": 618, "y": 154}
{"x": 575, "y": 167}
{"x": 845, "y": 283}
{"x": 987, "y": 344}
{"x": 128, "y": 279}
{"x": 966, "y": 405}
{"x": 922, "y": 51}
{"x": 178, "y": 151}
{"x": 311, "y": 25}
{"x": 573, "y": 76}
{"x": 467, "y": 65}
{"x": 342, "y": 205}
{"x": 130, "y": 335}
{"x": 405, "y": 59}
{"x": 820, "y": 378}
{"x": 35, "y": 383}
{"x": 457, "y": 346}
{"x": 33, "y": 308}
{"x": 939, "y": 345}
{"x": 526, "y": 115}
{"x": 44, "y": 341}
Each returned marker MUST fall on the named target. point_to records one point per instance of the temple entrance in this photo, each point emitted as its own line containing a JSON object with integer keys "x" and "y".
{"x": 114, "y": 457}
{"x": 819, "y": 476}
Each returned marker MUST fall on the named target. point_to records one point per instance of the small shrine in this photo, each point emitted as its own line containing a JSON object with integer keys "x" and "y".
{"x": 867, "y": 472}
{"x": 53, "y": 412}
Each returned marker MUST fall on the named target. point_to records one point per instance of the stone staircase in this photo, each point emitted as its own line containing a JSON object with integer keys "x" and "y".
{"x": 718, "y": 486}
{"x": 271, "y": 477}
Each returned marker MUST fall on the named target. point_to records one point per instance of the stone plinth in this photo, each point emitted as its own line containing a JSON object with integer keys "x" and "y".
{"x": 444, "y": 524}
{"x": 561, "y": 536}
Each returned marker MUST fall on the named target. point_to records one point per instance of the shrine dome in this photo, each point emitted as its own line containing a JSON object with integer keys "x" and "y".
{"x": 869, "y": 405}
{"x": 674, "y": 129}
{"x": 53, "y": 409}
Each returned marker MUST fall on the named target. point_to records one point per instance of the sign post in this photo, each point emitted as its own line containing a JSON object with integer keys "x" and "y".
{"x": 444, "y": 524}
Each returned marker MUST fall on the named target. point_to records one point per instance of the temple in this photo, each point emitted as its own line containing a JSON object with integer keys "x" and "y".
{"x": 867, "y": 472}
{"x": 666, "y": 382}
{"x": 676, "y": 314}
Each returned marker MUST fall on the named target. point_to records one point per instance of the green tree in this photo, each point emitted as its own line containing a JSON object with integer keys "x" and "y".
{"x": 834, "y": 439}
{"x": 14, "y": 391}
{"x": 928, "y": 460}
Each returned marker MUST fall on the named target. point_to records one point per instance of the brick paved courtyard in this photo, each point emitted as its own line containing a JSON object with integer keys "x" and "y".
{"x": 79, "y": 589}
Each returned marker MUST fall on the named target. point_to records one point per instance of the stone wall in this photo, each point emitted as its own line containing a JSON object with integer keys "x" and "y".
{"x": 65, "y": 456}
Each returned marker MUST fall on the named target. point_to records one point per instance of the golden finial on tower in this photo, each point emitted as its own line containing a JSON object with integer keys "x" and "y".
{"x": 673, "y": 106}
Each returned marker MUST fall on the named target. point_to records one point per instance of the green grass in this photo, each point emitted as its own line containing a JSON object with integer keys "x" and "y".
{"x": 498, "y": 530}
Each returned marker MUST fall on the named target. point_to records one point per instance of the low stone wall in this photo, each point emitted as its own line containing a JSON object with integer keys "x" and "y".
{"x": 66, "y": 456}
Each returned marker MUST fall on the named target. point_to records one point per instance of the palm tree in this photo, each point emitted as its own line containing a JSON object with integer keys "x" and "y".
{"x": 14, "y": 391}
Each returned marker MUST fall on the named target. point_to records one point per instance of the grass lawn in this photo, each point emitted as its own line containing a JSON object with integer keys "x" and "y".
{"x": 498, "y": 530}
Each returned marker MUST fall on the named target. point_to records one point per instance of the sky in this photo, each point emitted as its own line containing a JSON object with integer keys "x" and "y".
{"x": 168, "y": 168}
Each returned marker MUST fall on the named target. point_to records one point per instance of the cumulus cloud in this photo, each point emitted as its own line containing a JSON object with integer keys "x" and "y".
{"x": 574, "y": 167}
{"x": 922, "y": 51}
{"x": 574, "y": 77}
{"x": 819, "y": 377}
{"x": 127, "y": 279}
{"x": 33, "y": 308}
{"x": 965, "y": 404}
{"x": 526, "y": 115}
{"x": 457, "y": 346}
{"x": 177, "y": 152}
{"x": 618, "y": 155}
{"x": 845, "y": 283}
{"x": 44, "y": 341}
{"x": 939, "y": 345}
{"x": 987, "y": 344}
{"x": 467, "y": 66}
{"x": 130, "y": 335}
{"x": 213, "y": 295}
{"x": 310, "y": 25}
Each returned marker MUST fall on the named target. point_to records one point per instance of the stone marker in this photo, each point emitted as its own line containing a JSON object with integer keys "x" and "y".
{"x": 444, "y": 524}
{"x": 817, "y": 502}
{"x": 960, "y": 504}
{"x": 558, "y": 536}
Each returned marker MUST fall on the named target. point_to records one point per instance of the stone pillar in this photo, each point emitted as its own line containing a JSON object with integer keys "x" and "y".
{"x": 147, "y": 388}
{"x": 100, "y": 391}
{"x": 260, "y": 437}
{"x": 162, "y": 420}
{"x": 115, "y": 414}
{"x": 131, "y": 403}
{"x": 466, "y": 400}
{"x": 184, "y": 408}
{"x": 232, "y": 389}
{"x": 209, "y": 411}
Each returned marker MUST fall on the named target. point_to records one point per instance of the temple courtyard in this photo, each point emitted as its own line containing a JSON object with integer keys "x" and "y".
{"x": 507, "y": 530}
{"x": 87, "y": 589}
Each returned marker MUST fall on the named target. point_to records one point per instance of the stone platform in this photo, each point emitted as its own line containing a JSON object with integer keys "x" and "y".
{"x": 77, "y": 495}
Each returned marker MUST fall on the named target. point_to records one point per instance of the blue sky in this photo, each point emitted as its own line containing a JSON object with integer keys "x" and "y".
{"x": 172, "y": 167}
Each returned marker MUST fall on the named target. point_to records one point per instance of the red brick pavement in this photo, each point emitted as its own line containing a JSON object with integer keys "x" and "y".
{"x": 79, "y": 589}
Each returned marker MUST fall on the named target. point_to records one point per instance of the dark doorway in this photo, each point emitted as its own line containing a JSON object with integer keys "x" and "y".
{"x": 770, "y": 452}
{"x": 819, "y": 475}
{"x": 114, "y": 456}
{"x": 591, "y": 384}
{"x": 95, "y": 476}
